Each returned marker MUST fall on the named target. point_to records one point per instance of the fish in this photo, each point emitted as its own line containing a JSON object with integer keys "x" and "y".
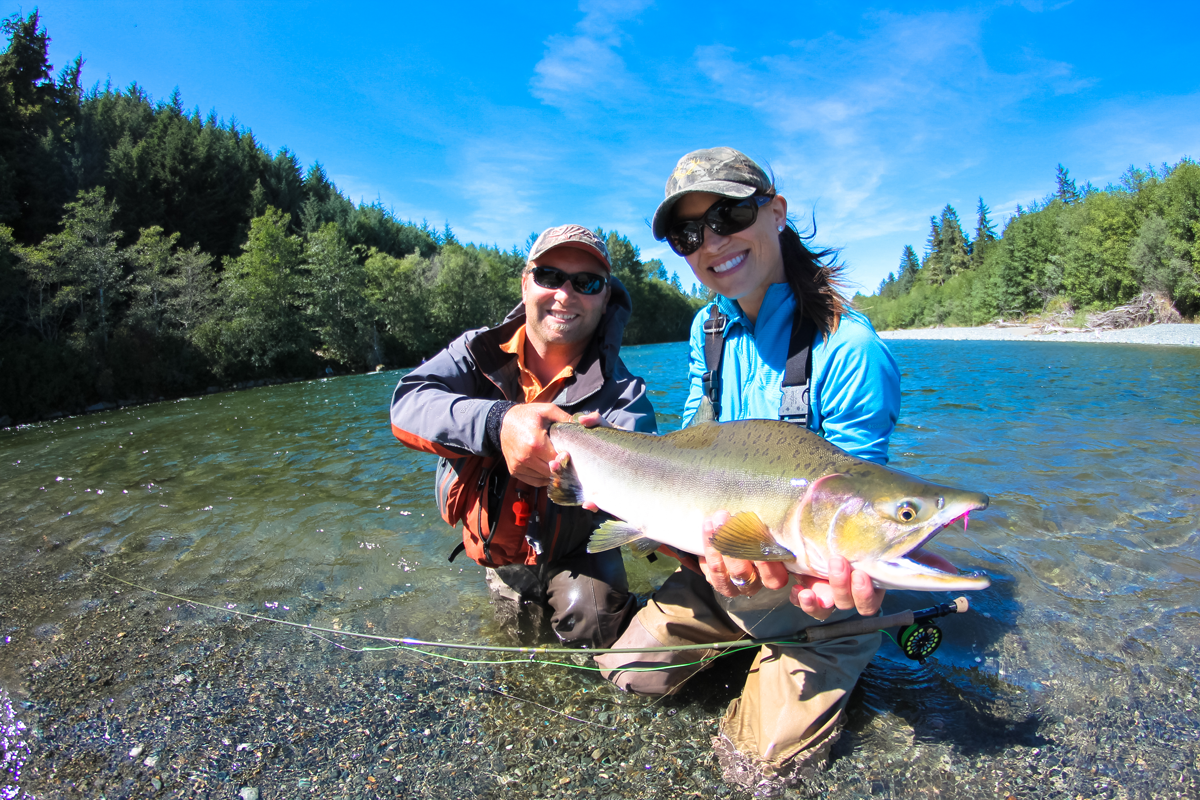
{"x": 794, "y": 498}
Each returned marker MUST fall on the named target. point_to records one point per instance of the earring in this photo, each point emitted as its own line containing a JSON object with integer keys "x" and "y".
{"x": 781, "y": 229}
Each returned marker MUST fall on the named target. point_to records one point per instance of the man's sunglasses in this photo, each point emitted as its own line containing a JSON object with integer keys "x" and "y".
{"x": 553, "y": 278}
{"x": 725, "y": 217}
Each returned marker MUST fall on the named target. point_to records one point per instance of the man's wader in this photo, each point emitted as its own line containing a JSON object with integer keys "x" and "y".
{"x": 790, "y": 711}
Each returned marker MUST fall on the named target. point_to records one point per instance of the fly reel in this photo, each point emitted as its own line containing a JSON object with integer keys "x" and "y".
{"x": 919, "y": 640}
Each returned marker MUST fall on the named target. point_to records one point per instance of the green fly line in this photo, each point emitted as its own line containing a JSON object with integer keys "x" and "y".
{"x": 532, "y": 653}
{"x": 919, "y": 637}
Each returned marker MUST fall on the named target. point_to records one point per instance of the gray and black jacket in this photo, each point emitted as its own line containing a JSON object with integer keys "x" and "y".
{"x": 443, "y": 407}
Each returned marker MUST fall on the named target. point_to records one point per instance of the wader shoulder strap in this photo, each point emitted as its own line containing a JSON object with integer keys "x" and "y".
{"x": 714, "y": 349}
{"x": 797, "y": 372}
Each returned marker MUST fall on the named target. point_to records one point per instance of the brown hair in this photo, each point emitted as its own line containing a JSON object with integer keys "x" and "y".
{"x": 815, "y": 279}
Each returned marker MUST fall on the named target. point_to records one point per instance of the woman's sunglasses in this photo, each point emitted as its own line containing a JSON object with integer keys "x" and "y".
{"x": 725, "y": 217}
{"x": 553, "y": 278}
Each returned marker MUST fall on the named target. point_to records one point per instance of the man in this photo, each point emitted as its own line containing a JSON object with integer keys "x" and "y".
{"x": 485, "y": 404}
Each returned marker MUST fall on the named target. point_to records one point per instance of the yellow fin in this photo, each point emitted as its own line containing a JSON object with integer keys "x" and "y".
{"x": 643, "y": 547}
{"x": 612, "y": 534}
{"x": 747, "y": 537}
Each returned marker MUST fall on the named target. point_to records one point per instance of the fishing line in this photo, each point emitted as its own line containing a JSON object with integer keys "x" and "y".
{"x": 415, "y": 645}
{"x": 919, "y": 636}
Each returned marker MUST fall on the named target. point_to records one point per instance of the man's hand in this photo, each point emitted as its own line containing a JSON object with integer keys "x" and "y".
{"x": 525, "y": 441}
{"x": 733, "y": 577}
{"x": 845, "y": 588}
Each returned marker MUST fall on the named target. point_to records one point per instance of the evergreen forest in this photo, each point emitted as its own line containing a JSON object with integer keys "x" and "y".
{"x": 1077, "y": 250}
{"x": 149, "y": 251}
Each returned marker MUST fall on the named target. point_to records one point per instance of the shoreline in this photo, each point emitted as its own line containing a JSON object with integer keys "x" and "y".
{"x": 1178, "y": 334}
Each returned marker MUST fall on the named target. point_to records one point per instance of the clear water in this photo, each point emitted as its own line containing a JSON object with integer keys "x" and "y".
{"x": 1084, "y": 650}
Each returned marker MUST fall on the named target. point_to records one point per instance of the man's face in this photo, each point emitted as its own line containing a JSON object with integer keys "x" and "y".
{"x": 562, "y": 317}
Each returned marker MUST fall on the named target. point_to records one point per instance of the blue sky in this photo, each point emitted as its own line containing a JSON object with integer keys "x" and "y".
{"x": 503, "y": 119}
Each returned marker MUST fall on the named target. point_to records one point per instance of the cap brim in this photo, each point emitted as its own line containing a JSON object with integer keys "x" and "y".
{"x": 662, "y": 215}
{"x": 587, "y": 248}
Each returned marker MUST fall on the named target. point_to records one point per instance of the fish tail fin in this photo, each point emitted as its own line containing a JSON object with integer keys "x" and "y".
{"x": 612, "y": 534}
{"x": 565, "y": 488}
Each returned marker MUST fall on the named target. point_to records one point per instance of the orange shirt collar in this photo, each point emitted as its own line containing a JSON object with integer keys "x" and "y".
{"x": 530, "y": 385}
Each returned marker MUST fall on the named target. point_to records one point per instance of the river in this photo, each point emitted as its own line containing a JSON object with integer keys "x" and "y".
{"x": 1073, "y": 675}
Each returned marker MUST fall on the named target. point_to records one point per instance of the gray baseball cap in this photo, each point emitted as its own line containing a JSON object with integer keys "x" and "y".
{"x": 575, "y": 236}
{"x": 719, "y": 170}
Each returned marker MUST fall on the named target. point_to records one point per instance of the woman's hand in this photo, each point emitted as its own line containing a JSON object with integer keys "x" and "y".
{"x": 733, "y": 577}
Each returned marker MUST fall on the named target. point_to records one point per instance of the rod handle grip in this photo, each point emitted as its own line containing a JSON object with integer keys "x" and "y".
{"x": 854, "y": 627}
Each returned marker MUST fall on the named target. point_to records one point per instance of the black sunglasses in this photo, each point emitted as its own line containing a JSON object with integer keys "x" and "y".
{"x": 725, "y": 217}
{"x": 553, "y": 278}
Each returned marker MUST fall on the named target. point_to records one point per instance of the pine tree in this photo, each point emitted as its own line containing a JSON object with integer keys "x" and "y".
{"x": 1065, "y": 186}
{"x": 985, "y": 231}
{"x": 955, "y": 256}
{"x": 934, "y": 242}
{"x": 35, "y": 117}
{"x": 906, "y": 275}
{"x": 985, "y": 234}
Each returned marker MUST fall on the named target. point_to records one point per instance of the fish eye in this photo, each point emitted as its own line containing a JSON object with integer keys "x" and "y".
{"x": 906, "y": 511}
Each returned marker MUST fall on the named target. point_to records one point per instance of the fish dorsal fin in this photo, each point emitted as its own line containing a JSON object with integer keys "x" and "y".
{"x": 704, "y": 414}
{"x": 747, "y": 537}
{"x": 612, "y": 534}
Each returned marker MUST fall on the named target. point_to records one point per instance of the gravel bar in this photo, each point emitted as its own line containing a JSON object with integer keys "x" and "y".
{"x": 1173, "y": 334}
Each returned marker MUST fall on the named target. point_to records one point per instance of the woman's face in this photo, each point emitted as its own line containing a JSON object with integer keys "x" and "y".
{"x": 743, "y": 265}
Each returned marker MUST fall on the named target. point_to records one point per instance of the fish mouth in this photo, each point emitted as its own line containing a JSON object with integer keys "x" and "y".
{"x": 922, "y": 570}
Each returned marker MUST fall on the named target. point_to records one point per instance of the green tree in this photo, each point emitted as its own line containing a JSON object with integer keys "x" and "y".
{"x": 265, "y": 331}
{"x": 193, "y": 289}
{"x": 1096, "y": 269}
{"x": 953, "y": 253}
{"x": 85, "y": 260}
{"x": 36, "y": 114}
{"x": 1065, "y": 188}
{"x": 400, "y": 296}
{"x": 153, "y": 282}
{"x": 336, "y": 298}
{"x": 906, "y": 275}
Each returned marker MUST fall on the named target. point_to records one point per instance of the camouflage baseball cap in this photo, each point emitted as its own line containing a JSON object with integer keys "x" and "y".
{"x": 720, "y": 170}
{"x": 575, "y": 236}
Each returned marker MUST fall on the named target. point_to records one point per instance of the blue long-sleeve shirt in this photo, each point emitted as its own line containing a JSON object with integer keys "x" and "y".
{"x": 855, "y": 385}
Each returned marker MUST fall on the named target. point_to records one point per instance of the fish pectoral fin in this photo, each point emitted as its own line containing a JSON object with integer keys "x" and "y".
{"x": 747, "y": 537}
{"x": 612, "y": 534}
{"x": 565, "y": 487}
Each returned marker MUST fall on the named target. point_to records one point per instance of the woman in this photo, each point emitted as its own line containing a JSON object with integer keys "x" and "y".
{"x": 774, "y": 295}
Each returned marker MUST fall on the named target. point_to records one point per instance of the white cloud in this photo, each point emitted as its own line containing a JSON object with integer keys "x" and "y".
{"x": 871, "y": 128}
{"x": 584, "y": 68}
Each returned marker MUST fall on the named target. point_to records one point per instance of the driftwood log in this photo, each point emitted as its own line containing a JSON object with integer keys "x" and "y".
{"x": 1149, "y": 308}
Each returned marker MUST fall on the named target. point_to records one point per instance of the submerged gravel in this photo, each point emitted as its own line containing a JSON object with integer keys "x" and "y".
{"x": 1168, "y": 334}
{"x": 126, "y": 694}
